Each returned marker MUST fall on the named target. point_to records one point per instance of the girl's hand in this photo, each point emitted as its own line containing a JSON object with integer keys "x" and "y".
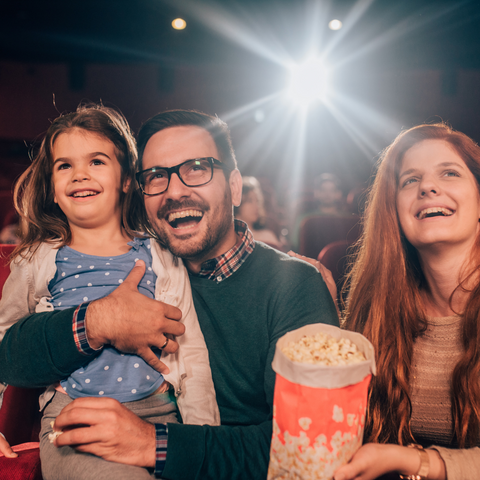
{"x": 5, "y": 448}
{"x": 325, "y": 272}
{"x": 373, "y": 460}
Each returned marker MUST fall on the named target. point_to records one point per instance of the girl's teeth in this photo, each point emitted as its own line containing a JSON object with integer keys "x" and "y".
{"x": 84, "y": 194}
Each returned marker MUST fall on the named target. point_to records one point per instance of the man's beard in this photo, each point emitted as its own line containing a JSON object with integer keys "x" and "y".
{"x": 218, "y": 226}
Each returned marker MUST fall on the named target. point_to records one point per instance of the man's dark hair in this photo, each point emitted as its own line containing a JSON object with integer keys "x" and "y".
{"x": 217, "y": 128}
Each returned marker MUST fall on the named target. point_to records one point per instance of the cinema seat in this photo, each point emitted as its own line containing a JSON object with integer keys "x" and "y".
{"x": 336, "y": 256}
{"x": 19, "y": 416}
{"x": 318, "y": 231}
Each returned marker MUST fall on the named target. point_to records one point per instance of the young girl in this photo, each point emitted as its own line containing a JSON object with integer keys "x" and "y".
{"x": 80, "y": 211}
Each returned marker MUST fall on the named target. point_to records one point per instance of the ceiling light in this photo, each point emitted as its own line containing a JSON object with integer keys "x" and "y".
{"x": 335, "y": 25}
{"x": 179, "y": 24}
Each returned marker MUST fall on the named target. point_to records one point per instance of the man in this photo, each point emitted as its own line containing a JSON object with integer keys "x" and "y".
{"x": 246, "y": 294}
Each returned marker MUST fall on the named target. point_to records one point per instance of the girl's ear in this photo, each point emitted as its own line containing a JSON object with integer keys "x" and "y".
{"x": 126, "y": 184}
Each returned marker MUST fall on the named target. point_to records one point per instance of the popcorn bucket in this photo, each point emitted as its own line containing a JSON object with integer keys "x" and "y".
{"x": 319, "y": 411}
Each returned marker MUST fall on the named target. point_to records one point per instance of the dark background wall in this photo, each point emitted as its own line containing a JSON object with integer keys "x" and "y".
{"x": 396, "y": 64}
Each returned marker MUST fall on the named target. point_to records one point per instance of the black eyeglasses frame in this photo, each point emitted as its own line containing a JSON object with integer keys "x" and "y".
{"x": 176, "y": 169}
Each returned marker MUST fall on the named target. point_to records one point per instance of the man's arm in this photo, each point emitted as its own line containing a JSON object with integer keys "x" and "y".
{"x": 114, "y": 433}
{"x": 39, "y": 350}
{"x": 43, "y": 348}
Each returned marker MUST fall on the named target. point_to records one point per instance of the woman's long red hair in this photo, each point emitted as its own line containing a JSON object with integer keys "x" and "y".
{"x": 384, "y": 303}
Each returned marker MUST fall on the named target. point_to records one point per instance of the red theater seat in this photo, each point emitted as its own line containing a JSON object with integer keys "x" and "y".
{"x": 19, "y": 416}
{"x": 318, "y": 231}
{"x": 5, "y": 251}
{"x": 335, "y": 257}
{"x": 25, "y": 467}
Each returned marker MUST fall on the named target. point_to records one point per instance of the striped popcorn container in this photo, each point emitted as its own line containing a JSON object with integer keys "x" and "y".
{"x": 319, "y": 409}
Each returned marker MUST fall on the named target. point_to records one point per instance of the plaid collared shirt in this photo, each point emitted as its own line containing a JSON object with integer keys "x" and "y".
{"x": 221, "y": 267}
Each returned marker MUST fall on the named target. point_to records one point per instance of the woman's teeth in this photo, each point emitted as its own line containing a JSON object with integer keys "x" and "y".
{"x": 434, "y": 212}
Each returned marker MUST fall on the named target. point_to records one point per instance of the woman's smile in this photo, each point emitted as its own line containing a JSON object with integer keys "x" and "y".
{"x": 438, "y": 201}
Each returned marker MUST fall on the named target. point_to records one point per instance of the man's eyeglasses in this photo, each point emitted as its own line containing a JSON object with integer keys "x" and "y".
{"x": 192, "y": 173}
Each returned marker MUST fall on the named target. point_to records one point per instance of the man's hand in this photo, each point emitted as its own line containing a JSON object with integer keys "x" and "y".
{"x": 324, "y": 271}
{"x": 132, "y": 322}
{"x": 107, "y": 429}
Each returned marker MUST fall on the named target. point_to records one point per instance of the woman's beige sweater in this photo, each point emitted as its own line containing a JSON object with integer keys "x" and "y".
{"x": 435, "y": 355}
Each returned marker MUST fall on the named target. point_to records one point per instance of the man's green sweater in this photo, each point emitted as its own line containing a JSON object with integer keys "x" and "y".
{"x": 241, "y": 317}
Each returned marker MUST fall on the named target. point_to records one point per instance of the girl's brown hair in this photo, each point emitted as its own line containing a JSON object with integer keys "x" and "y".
{"x": 384, "y": 302}
{"x": 41, "y": 219}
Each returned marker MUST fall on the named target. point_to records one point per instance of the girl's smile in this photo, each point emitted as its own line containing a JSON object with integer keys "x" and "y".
{"x": 87, "y": 179}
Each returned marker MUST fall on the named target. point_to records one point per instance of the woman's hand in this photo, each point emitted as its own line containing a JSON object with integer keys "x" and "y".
{"x": 325, "y": 272}
{"x": 374, "y": 459}
{"x": 371, "y": 461}
{"x": 5, "y": 448}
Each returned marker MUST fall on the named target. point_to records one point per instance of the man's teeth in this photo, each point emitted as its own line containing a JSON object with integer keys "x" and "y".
{"x": 434, "y": 212}
{"x": 182, "y": 214}
{"x": 86, "y": 193}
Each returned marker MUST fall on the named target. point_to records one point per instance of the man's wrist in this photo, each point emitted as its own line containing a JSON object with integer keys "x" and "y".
{"x": 95, "y": 340}
{"x": 161, "y": 441}
{"x": 85, "y": 340}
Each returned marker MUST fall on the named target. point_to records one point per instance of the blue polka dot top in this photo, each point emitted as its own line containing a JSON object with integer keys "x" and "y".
{"x": 82, "y": 278}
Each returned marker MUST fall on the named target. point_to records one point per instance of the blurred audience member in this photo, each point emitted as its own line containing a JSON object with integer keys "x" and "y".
{"x": 252, "y": 212}
{"x": 328, "y": 201}
{"x": 9, "y": 233}
{"x": 329, "y": 195}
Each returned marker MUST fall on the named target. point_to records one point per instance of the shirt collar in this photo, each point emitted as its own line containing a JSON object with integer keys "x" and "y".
{"x": 223, "y": 266}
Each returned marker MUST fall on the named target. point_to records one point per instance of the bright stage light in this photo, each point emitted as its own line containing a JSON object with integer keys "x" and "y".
{"x": 335, "y": 25}
{"x": 179, "y": 24}
{"x": 308, "y": 82}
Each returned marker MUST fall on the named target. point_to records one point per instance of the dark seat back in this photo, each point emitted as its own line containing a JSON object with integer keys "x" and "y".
{"x": 336, "y": 256}
{"x": 318, "y": 231}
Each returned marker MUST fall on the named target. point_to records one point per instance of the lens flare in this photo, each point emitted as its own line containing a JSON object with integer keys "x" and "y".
{"x": 308, "y": 82}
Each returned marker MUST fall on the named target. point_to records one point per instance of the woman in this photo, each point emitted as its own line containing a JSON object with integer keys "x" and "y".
{"x": 415, "y": 294}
